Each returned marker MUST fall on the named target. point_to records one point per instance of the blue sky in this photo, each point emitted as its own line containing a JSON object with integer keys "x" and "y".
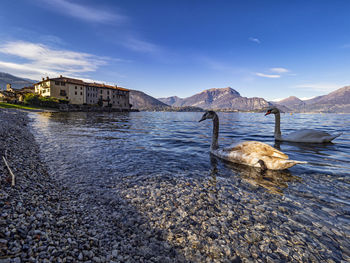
{"x": 270, "y": 49}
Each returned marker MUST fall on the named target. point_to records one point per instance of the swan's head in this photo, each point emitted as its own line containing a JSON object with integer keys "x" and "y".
{"x": 208, "y": 115}
{"x": 272, "y": 110}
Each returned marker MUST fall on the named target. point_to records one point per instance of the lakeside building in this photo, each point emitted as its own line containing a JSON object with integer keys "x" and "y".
{"x": 11, "y": 95}
{"x": 78, "y": 92}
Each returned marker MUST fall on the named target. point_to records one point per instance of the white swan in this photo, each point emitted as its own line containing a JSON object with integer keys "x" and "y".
{"x": 304, "y": 135}
{"x": 250, "y": 153}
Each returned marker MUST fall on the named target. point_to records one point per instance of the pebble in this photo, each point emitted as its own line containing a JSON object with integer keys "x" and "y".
{"x": 155, "y": 218}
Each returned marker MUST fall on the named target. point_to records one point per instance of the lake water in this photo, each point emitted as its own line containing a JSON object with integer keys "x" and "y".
{"x": 95, "y": 150}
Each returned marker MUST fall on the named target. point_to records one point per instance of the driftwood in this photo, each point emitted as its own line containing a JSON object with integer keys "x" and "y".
{"x": 10, "y": 171}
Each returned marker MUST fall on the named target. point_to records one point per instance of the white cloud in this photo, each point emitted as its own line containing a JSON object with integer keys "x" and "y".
{"x": 276, "y": 100}
{"x": 103, "y": 16}
{"x": 42, "y": 60}
{"x": 278, "y": 73}
{"x": 83, "y": 12}
{"x": 307, "y": 98}
{"x": 139, "y": 45}
{"x": 321, "y": 87}
{"x": 254, "y": 39}
{"x": 267, "y": 75}
{"x": 279, "y": 70}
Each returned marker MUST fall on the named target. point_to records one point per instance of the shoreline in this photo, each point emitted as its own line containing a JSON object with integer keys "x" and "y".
{"x": 148, "y": 215}
{"x": 43, "y": 219}
{"x": 34, "y": 213}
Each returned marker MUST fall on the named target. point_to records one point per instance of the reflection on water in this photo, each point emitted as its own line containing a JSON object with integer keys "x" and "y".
{"x": 173, "y": 142}
{"x": 96, "y": 150}
{"x": 275, "y": 181}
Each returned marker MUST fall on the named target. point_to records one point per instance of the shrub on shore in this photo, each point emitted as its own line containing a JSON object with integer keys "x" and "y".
{"x": 37, "y": 100}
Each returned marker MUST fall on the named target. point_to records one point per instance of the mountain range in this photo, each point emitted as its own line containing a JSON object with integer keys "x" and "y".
{"x": 337, "y": 101}
{"x": 219, "y": 99}
{"x": 224, "y": 99}
{"x": 16, "y": 82}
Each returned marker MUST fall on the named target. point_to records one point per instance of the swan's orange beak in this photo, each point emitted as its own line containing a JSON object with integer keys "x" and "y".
{"x": 268, "y": 112}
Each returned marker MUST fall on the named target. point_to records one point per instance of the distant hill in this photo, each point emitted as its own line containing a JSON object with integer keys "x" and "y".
{"x": 172, "y": 101}
{"x": 140, "y": 100}
{"x": 292, "y": 103}
{"x": 16, "y": 82}
{"x": 220, "y": 99}
{"x": 337, "y": 101}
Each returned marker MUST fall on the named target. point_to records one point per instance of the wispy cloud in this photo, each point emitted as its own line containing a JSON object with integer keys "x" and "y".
{"x": 277, "y": 100}
{"x": 254, "y": 39}
{"x": 279, "y": 70}
{"x": 345, "y": 46}
{"x": 84, "y": 12}
{"x": 139, "y": 45}
{"x": 321, "y": 87}
{"x": 271, "y": 76}
{"x": 42, "y": 60}
{"x": 276, "y": 73}
{"x": 307, "y": 98}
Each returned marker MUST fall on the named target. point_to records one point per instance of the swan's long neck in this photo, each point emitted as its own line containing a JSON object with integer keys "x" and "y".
{"x": 214, "y": 140}
{"x": 277, "y": 126}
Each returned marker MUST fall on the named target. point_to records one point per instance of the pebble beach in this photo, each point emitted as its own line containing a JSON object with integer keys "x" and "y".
{"x": 158, "y": 218}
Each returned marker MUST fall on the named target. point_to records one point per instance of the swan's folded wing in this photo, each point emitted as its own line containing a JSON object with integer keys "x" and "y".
{"x": 256, "y": 148}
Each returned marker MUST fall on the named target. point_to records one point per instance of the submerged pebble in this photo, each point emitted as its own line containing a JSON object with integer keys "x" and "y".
{"x": 148, "y": 218}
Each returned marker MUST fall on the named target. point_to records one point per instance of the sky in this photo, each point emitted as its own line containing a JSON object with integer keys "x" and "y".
{"x": 271, "y": 49}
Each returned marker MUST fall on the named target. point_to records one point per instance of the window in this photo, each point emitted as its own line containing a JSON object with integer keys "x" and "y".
{"x": 63, "y": 84}
{"x": 81, "y": 88}
{"x": 57, "y": 83}
{"x": 101, "y": 91}
{"x": 81, "y": 93}
{"x": 63, "y": 93}
{"x": 75, "y": 93}
{"x": 76, "y": 87}
{"x": 107, "y": 92}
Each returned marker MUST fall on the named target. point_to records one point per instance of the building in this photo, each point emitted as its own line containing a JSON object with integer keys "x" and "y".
{"x": 9, "y": 88}
{"x": 83, "y": 93}
{"x": 11, "y": 95}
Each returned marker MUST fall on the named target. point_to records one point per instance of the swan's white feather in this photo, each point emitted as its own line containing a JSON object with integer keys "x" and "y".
{"x": 250, "y": 152}
{"x": 309, "y": 136}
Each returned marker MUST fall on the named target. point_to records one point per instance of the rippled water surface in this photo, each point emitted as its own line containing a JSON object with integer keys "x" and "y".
{"x": 97, "y": 149}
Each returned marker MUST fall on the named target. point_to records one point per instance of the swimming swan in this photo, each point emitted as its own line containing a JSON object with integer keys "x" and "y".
{"x": 250, "y": 153}
{"x": 304, "y": 135}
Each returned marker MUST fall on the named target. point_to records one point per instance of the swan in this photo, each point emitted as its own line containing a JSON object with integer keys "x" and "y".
{"x": 251, "y": 153}
{"x": 304, "y": 135}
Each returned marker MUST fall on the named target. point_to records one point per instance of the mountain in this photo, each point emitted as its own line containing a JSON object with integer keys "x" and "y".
{"x": 293, "y": 103}
{"x": 337, "y": 101}
{"x": 141, "y": 101}
{"x": 172, "y": 101}
{"x": 16, "y": 82}
{"x": 220, "y": 99}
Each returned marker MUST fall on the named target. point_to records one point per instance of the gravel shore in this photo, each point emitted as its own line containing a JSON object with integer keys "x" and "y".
{"x": 147, "y": 218}
{"x": 42, "y": 220}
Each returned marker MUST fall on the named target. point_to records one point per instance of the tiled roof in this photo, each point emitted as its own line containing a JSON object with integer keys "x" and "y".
{"x": 69, "y": 80}
{"x": 80, "y": 82}
{"x": 98, "y": 85}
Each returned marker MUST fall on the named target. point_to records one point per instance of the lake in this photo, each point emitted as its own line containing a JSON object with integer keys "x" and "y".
{"x": 299, "y": 214}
